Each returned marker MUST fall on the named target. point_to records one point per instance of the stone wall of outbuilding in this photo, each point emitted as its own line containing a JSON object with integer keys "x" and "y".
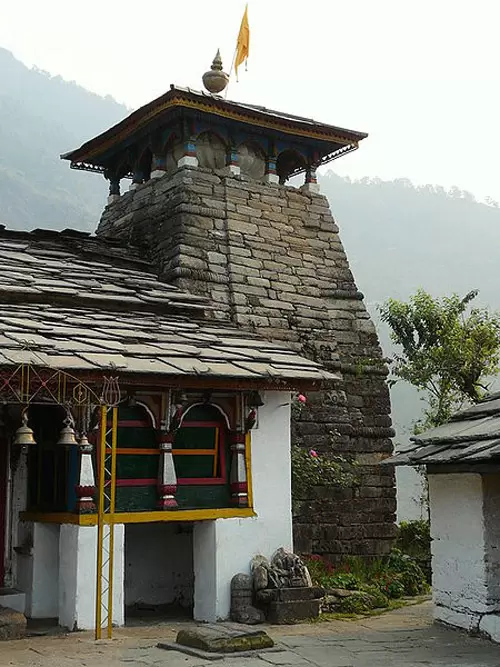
{"x": 270, "y": 259}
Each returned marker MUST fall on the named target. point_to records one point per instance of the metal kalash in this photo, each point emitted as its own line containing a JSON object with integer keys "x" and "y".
{"x": 32, "y": 383}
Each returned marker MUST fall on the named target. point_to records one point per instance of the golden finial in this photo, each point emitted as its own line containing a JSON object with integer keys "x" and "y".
{"x": 215, "y": 80}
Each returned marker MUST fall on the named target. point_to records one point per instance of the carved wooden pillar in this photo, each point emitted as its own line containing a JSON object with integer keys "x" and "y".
{"x": 271, "y": 174}
{"x": 137, "y": 178}
{"x": 311, "y": 181}
{"x": 158, "y": 166}
{"x": 238, "y": 476}
{"x": 167, "y": 477}
{"x": 189, "y": 157}
{"x": 114, "y": 185}
{"x": 233, "y": 162}
{"x": 86, "y": 488}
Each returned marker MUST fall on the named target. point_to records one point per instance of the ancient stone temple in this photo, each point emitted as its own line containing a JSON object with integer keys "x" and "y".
{"x": 210, "y": 208}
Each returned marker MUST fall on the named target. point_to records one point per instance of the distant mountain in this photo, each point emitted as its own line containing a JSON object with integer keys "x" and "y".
{"x": 40, "y": 118}
{"x": 398, "y": 236}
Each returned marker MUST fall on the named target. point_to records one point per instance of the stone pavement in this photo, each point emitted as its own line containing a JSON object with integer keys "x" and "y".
{"x": 402, "y": 638}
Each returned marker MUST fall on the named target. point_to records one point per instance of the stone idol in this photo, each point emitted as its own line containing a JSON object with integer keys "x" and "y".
{"x": 279, "y": 590}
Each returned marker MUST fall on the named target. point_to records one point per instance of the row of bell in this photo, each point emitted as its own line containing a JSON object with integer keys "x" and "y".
{"x": 25, "y": 436}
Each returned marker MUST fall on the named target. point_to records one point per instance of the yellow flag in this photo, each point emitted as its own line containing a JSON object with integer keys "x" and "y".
{"x": 243, "y": 43}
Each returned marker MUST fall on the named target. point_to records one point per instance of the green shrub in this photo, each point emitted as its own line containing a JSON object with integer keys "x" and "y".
{"x": 409, "y": 572}
{"x": 356, "y": 604}
{"x": 414, "y": 539}
{"x": 394, "y": 576}
{"x": 344, "y": 580}
{"x": 378, "y": 598}
{"x": 391, "y": 586}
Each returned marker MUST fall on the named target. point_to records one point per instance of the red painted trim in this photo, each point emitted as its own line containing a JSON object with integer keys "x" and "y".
{"x": 200, "y": 481}
{"x": 137, "y": 482}
{"x": 185, "y": 481}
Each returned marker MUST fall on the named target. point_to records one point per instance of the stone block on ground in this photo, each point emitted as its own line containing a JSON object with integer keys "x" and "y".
{"x": 12, "y": 624}
{"x": 242, "y": 609}
{"x": 289, "y": 594}
{"x": 224, "y": 640}
{"x": 281, "y": 613}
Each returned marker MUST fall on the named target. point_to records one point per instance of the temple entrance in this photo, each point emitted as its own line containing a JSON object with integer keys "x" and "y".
{"x": 159, "y": 574}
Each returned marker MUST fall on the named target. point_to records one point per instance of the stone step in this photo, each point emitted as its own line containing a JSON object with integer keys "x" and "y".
{"x": 12, "y": 624}
{"x": 14, "y": 599}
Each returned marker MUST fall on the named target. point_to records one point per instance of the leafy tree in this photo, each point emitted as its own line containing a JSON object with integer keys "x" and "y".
{"x": 447, "y": 349}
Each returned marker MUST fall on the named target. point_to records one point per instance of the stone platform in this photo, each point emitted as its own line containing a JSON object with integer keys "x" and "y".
{"x": 12, "y": 624}
{"x": 289, "y": 605}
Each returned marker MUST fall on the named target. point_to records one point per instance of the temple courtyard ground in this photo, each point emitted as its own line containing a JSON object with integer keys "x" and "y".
{"x": 402, "y": 638}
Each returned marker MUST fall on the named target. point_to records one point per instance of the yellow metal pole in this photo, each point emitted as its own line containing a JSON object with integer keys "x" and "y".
{"x": 100, "y": 522}
{"x": 111, "y": 525}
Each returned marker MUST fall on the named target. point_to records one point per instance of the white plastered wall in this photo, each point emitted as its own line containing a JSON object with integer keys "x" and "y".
{"x": 465, "y": 530}
{"x": 224, "y": 547}
{"x": 158, "y": 564}
{"x": 44, "y": 594}
{"x": 458, "y": 544}
{"x": 77, "y": 576}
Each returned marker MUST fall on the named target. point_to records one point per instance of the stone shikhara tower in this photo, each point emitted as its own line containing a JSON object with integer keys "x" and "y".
{"x": 209, "y": 206}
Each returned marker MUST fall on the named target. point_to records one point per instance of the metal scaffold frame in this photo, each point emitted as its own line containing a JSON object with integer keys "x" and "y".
{"x": 32, "y": 382}
{"x": 105, "y": 522}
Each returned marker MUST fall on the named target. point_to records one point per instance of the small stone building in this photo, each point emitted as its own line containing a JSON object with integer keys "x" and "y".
{"x": 462, "y": 460}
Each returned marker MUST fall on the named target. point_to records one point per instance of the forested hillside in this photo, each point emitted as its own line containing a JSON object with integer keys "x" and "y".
{"x": 400, "y": 237}
{"x": 40, "y": 118}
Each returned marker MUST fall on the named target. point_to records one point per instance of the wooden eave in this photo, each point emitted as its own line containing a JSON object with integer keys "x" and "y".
{"x": 94, "y": 150}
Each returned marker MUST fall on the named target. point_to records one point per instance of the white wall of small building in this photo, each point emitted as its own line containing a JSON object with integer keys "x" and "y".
{"x": 465, "y": 531}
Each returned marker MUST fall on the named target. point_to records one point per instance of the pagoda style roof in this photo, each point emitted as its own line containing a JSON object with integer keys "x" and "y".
{"x": 93, "y": 153}
{"x": 73, "y": 302}
{"x": 472, "y": 436}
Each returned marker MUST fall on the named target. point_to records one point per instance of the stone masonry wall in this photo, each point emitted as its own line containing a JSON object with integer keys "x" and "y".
{"x": 271, "y": 260}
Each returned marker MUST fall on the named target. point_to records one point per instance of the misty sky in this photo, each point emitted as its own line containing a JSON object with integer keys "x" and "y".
{"x": 420, "y": 76}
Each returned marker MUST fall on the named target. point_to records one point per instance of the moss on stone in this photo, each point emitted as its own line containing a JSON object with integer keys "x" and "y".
{"x": 212, "y": 641}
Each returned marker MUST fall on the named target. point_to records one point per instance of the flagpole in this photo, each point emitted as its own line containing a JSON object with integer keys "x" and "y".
{"x": 244, "y": 23}
{"x": 230, "y": 72}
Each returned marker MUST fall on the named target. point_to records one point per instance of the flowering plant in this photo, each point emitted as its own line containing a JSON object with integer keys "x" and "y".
{"x": 309, "y": 469}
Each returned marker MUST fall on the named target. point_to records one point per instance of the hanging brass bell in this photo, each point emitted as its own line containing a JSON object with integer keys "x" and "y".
{"x": 24, "y": 434}
{"x": 67, "y": 435}
{"x": 255, "y": 400}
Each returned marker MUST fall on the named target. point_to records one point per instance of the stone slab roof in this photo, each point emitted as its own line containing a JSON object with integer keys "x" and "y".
{"x": 50, "y": 266}
{"x": 70, "y": 301}
{"x": 471, "y": 436}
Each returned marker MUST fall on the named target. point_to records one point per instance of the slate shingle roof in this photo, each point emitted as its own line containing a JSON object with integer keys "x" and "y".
{"x": 76, "y": 303}
{"x": 471, "y": 436}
